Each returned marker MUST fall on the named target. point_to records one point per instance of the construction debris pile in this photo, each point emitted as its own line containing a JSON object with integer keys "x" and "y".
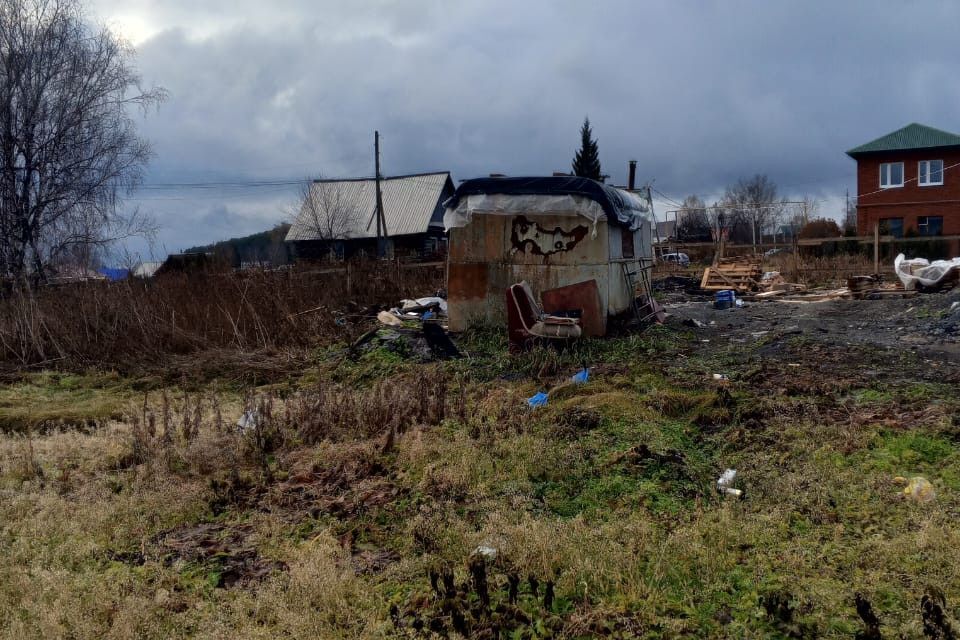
{"x": 858, "y": 288}
{"x": 740, "y": 273}
{"x": 745, "y": 276}
{"x": 413, "y": 330}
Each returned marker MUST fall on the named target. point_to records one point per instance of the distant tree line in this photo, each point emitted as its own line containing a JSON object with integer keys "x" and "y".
{"x": 752, "y": 211}
{"x": 265, "y": 248}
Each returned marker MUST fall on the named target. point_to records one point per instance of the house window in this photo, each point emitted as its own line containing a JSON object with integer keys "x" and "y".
{"x": 433, "y": 245}
{"x": 930, "y": 172}
{"x": 891, "y": 175}
{"x": 930, "y": 225}
{"x": 891, "y": 227}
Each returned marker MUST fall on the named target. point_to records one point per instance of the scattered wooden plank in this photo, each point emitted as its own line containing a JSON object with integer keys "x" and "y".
{"x": 706, "y": 278}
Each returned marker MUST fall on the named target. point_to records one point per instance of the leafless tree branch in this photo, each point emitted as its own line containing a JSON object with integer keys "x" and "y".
{"x": 327, "y": 211}
{"x": 68, "y": 145}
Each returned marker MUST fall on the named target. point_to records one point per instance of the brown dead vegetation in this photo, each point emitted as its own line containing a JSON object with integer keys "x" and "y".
{"x": 226, "y": 552}
{"x": 134, "y": 324}
{"x": 321, "y": 453}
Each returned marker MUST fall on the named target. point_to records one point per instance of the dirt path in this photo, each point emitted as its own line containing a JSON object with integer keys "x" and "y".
{"x": 923, "y": 325}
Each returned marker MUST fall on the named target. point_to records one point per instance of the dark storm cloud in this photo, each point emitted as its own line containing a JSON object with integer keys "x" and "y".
{"x": 700, "y": 93}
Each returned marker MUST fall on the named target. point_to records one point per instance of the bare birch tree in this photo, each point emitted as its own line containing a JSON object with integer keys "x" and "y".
{"x": 69, "y": 149}
{"x": 752, "y": 204}
{"x": 327, "y": 210}
{"x": 693, "y": 223}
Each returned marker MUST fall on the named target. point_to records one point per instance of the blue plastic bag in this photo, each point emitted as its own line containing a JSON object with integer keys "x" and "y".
{"x": 581, "y": 376}
{"x": 539, "y": 400}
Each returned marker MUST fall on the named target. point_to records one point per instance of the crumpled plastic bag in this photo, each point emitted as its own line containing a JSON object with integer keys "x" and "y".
{"x": 918, "y": 489}
{"x": 919, "y": 270}
{"x": 387, "y": 318}
{"x": 725, "y": 483}
{"x": 538, "y": 400}
{"x": 424, "y": 302}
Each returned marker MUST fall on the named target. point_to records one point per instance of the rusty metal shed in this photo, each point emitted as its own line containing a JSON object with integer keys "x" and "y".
{"x": 549, "y": 231}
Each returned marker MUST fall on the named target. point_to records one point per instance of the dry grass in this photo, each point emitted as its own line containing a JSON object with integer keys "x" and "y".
{"x": 51, "y": 400}
{"x": 337, "y": 512}
{"x": 831, "y": 271}
{"x": 134, "y": 324}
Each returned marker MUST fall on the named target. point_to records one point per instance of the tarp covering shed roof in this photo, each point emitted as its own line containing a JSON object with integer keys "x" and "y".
{"x": 550, "y": 194}
{"x": 409, "y": 203}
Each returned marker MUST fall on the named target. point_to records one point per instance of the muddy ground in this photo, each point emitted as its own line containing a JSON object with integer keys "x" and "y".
{"x": 923, "y": 325}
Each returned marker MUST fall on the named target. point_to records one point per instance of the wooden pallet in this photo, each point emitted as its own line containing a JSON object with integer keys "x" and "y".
{"x": 732, "y": 273}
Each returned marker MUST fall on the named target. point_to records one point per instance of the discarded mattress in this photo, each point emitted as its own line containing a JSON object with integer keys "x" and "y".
{"x": 923, "y": 272}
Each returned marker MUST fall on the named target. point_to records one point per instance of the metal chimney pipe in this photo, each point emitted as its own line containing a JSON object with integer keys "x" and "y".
{"x": 632, "y": 180}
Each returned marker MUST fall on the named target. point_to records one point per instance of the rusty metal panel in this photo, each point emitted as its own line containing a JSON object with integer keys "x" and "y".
{"x": 583, "y": 296}
{"x": 458, "y": 244}
{"x": 467, "y": 291}
{"x": 555, "y": 239}
{"x": 480, "y": 241}
{"x": 548, "y": 251}
{"x": 468, "y": 281}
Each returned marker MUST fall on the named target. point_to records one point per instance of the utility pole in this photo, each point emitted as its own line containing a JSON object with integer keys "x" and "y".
{"x": 846, "y": 213}
{"x": 381, "y": 221}
{"x": 876, "y": 247}
{"x": 648, "y": 189}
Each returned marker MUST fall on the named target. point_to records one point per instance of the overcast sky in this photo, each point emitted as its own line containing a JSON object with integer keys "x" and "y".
{"x": 700, "y": 93}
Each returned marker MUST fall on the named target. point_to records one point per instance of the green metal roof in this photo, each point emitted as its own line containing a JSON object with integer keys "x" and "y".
{"x": 912, "y": 136}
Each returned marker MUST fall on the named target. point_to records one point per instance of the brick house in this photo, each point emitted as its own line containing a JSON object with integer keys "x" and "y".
{"x": 909, "y": 182}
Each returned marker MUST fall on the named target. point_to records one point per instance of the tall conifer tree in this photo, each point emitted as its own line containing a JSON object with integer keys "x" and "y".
{"x": 586, "y": 162}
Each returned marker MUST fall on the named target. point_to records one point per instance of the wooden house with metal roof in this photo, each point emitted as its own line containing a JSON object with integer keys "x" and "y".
{"x": 337, "y": 218}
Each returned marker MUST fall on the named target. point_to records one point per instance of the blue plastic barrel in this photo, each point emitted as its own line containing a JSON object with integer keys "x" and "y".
{"x": 724, "y": 299}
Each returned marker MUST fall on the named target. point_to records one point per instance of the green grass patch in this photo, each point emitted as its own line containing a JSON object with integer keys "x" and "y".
{"x": 50, "y": 399}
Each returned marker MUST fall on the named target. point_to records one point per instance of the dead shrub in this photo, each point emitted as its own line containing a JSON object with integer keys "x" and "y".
{"x": 394, "y": 405}
{"x": 823, "y": 270}
{"x": 576, "y": 422}
{"x": 131, "y": 324}
{"x": 26, "y": 467}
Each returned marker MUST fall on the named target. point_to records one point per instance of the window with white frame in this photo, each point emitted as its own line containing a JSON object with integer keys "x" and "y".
{"x": 930, "y": 173}
{"x": 891, "y": 175}
{"x": 930, "y": 225}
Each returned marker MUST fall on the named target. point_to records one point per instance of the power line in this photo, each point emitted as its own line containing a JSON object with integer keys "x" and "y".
{"x": 209, "y": 195}
{"x": 904, "y": 183}
{"x": 422, "y": 182}
{"x": 819, "y": 200}
{"x": 740, "y": 205}
{"x": 666, "y": 197}
{"x": 248, "y": 184}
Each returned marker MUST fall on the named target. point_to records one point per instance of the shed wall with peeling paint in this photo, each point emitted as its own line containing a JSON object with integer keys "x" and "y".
{"x": 494, "y": 251}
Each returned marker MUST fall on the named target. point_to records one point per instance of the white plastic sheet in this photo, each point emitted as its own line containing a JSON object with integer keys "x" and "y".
{"x": 424, "y": 302}
{"x": 922, "y": 271}
{"x": 513, "y": 204}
